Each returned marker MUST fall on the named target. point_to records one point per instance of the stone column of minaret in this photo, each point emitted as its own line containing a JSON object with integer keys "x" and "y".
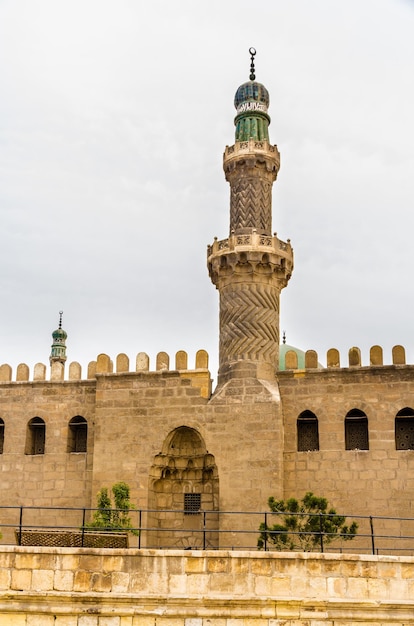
{"x": 58, "y": 352}
{"x": 251, "y": 266}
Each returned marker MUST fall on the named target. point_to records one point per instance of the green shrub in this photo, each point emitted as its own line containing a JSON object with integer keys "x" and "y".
{"x": 302, "y": 524}
{"x": 113, "y": 518}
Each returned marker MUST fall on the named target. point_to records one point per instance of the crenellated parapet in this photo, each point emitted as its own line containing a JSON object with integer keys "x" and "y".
{"x": 199, "y": 375}
{"x": 353, "y": 359}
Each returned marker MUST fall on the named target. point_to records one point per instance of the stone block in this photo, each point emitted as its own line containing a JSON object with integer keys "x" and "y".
{"x": 88, "y": 620}
{"x": 101, "y": 582}
{"x": 336, "y": 587}
{"x": 66, "y": 620}
{"x": 63, "y": 580}
{"x": 194, "y": 565}
{"x": 21, "y": 580}
{"x": 138, "y": 583}
{"x": 262, "y": 586}
{"x": 42, "y": 580}
{"x": 357, "y": 587}
{"x": 377, "y": 589}
{"x": 262, "y": 567}
{"x": 5, "y": 578}
{"x": 120, "y": 582}
{"x": 217, "y": 564}
{"x": 82, "y": 581}
{"x": 281, "y": 586}
{"x": 11, "y": 619}
{"x": 198, "y": 583}
{"x": 109, "y": 621}
{"x": 40, "y": 620}
{"x": 317, "y": 586}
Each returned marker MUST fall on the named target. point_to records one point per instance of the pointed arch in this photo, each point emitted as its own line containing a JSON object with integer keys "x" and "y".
{"x": 35, "y": 436}
{"x": 183, "y": 492}
{"x": 356, "y": 430}
{"x": 77, "y": 434}
{"x": 404, "y": 429}
{"x": 307, "y": 432}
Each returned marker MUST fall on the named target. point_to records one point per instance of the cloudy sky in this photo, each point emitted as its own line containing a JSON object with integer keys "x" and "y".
{"x": 113, "y": 119}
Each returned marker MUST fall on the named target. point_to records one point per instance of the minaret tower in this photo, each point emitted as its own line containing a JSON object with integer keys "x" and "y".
{"x": 58, "y": 352}
{"x": 251, "y": 266}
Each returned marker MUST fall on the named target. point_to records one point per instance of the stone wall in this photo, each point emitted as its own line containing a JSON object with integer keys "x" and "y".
{"x": 376, "y": 481}
{"x": 55, "y": 478}
{"x": 92, "y": 587}
{"x": 244, "y": 444}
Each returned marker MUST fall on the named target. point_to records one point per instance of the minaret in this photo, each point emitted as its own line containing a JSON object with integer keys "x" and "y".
{"x": 250, "y": 267}
{"x": 58, "y": 352}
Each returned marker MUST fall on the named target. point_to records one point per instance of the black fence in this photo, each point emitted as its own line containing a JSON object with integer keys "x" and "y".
{"x": 228, "y": 530}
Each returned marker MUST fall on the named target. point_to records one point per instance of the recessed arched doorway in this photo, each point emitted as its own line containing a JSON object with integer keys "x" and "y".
{"x": 183, "y": 493}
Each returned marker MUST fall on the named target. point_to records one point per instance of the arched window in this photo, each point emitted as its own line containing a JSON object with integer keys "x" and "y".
{"x": 308, "y": 434}
{"x": 404, "y": 429}
{"x": 78, "y": 434}
{"x": 356, "y": 430}
{"x": 1, "y": 435}
{"x": 35, "y": 436}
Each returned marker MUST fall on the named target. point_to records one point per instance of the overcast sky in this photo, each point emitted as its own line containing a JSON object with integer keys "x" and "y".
{"x": 113, "y": 119}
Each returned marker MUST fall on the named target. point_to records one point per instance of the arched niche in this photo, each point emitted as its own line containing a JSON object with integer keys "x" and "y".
{"x": 183, "y": 493}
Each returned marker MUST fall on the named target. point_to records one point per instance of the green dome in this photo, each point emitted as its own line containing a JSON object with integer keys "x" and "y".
{"x": 282, "y": 356}
{"x": 58, "y": 352}
{"x": 59, "y": 335}
{"x": 254, "y": 93}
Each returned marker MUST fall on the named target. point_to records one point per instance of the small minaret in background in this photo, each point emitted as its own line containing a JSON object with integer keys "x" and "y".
{"x": 252, "y": 266}
{"x": 58, "y": 352}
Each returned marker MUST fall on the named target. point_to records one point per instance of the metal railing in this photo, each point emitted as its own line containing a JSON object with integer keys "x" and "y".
{"x": 231, "y": 530}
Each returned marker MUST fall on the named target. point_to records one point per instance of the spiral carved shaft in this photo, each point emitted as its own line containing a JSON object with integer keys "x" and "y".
{"x": 251, "y": 168}
{"x": 249, "y": 270}
{"x": 250, "y": 205}
{"x": 249, "y": 324}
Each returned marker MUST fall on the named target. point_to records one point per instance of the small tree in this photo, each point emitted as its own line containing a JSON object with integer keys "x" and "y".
{"x": 109, "y": 518}
{"x": 303, "y": 524}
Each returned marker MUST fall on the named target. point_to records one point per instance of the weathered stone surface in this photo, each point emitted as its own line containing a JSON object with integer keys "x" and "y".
{"x": 268, "y": 589}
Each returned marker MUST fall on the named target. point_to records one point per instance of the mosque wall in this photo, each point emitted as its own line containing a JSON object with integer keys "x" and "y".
{"x": 165, "y": 435}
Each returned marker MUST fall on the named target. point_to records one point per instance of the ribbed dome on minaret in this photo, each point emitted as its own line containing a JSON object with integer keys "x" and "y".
{"x": 58, "y": 352}
{"x": 252, "y": 102}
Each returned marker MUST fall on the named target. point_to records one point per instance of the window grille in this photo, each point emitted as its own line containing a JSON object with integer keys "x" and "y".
{"x": 192, "y": 503}
{"x": 404, "y": 433}
{"x": 36, "y": 436}
{"x": 308, "y": 433}
{"x": 356, "y": 430}
{"x": 78, "y": 434}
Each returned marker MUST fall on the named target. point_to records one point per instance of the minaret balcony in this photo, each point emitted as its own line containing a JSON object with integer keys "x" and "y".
{"x": 253, "y": 148}
{"x": 250, "y": 254}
